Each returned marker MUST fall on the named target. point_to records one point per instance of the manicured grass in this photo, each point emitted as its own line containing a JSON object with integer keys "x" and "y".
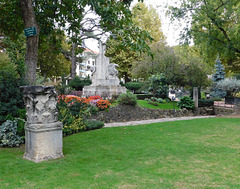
{"x": 167, "y": 105}
{"x": 201, "y": 153}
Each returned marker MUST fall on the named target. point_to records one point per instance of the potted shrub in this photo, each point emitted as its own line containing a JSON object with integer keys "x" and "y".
{"x": 231, "y": 86}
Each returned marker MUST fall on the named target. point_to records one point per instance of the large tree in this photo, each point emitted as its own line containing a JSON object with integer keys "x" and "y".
{"x": 213, "y": 26}
{"x": 148, "y": 20}
{"x": 51, "y": 60}
{"x": 46, "y": 16}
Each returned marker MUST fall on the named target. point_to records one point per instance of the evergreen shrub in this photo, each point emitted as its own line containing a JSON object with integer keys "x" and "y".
{"x": 143, "y": 96}
{"x": 8, "y": 134}
{"x": 11, "y": 98}
{"x": 134, "y": 86}
{"x": 127, "y": 99}
{"x": 205, "y": 103}
{"x": 78, "y": 83}
{"x": 93, "y": 124}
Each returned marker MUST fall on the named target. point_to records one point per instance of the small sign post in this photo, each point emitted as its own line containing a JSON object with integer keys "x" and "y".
{"x": 32, "y": 31}
{"x": 173, "y": 99}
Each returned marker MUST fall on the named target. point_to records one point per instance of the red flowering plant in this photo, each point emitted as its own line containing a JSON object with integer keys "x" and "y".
{"x": 75, "y": 104}
{"x": 95, "y": 97}
{"x": 103, "y": 104}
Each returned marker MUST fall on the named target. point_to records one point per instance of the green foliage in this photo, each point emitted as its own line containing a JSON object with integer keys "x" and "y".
{"x": 203, "y": 95}
{"x": 10, "y": 94}
{"x": 78, "y": 83}
{"x": 230, "y": 85}
{"x": 159, "y": 100}
{"x": 8, "y": 134}
{"x": 158, "y": 86}
{"x": 214, "y": 28}
{"x": 62, "y": 88}
{"x": 143, "y": 96}
{"x": 205, "y": 102}
{"x": 72, "y": 123}
{"x": 148, "y": 20}
{"x": 186, "y": 102}
{"x": 219, "y": 71}
{"x": 123, "y": 57}
{"x": 51, "y": 61}
{"x": 16, "y": 50}
{"x": 134, "y": 86}
{"x": 181, "y": 65}
{"x": 93, "y": 124}
{"x": 216, "y": 77}
{"x": 127, "y": 99}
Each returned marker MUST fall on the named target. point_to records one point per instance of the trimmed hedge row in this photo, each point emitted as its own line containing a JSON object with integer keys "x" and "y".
{"x": 205, "y": 103}
{"x": 143, "y": 96}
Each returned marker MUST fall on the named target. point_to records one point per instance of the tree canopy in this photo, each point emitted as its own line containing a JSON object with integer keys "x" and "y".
{"x": 214, "y": 27}
{"x": 47, "y": 16}
{"x": 148, "y": 20}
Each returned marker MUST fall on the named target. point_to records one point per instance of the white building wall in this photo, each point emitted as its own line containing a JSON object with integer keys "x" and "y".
{"x": 89, "y": 59}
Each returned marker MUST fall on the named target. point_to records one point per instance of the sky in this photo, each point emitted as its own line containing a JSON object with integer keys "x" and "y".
{"x": 170, "y": 29}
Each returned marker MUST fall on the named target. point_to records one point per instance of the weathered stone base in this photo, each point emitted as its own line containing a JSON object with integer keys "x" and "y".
{"x": 43, "y": 141}
{"x": 103, "y": 91}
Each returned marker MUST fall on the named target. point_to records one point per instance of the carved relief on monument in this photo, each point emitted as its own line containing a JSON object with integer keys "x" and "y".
{"x": 41, "y": 104}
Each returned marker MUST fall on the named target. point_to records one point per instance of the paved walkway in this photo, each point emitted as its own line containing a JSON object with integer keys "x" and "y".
{"x": 117, "y": 124}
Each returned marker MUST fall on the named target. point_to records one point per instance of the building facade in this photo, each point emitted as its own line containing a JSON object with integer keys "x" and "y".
{"x": 83, "y": 69}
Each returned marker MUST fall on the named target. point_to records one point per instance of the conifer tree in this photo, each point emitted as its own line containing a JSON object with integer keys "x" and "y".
{"x": 218, "y": 76}
{"x": 219, "y": 71}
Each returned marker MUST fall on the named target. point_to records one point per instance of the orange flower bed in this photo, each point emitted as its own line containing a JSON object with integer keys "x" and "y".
{"x": 95, "y": 97}
{"x": 103, "y": 104}
{"x": 72, "y": 98}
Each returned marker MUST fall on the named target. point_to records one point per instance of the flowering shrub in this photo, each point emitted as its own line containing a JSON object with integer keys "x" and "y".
{"x": 73, "y": 111}
{"x": 94, "y": 102}
{"x": 103, "y": 104}
{"x": 95, "y": 97}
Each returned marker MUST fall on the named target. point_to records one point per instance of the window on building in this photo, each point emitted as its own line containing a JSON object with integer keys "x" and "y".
{"x": 93, "y": 62}
{"x": 89, "y": 62}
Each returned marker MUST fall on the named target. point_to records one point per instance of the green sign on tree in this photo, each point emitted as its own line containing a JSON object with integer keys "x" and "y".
{"x": 30, "y": 31}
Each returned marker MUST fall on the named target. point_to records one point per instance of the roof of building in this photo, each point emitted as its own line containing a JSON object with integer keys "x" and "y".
{"x": 89, "y": 50}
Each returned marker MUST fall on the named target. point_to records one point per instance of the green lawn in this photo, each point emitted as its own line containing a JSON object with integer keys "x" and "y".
{"x": 167, "y": 105}
{"x": 201, "y": 153}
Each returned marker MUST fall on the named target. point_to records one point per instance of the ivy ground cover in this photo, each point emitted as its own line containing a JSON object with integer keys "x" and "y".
{"x": 201, "y": 153}
{"x": 156, "y": 105}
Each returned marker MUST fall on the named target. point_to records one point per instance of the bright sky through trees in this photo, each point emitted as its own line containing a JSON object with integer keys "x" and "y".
{"x": 170, "y": 29}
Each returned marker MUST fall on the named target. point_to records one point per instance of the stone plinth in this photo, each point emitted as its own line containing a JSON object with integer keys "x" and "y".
{"x": 103, "y": 91}
{"x": 43, "y": 133}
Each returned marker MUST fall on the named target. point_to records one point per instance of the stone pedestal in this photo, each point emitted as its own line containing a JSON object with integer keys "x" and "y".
{"x": 103, "y": 91}
{"x": 43, "y": 133}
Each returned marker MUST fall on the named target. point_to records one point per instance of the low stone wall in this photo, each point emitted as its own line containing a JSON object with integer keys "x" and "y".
{"x": 223, "y": 111}
{"x": 123, "y": 113}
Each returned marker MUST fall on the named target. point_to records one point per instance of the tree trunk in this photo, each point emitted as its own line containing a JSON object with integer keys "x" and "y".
{"x": 73, "y": 60}
{"x": 29, "y": 20}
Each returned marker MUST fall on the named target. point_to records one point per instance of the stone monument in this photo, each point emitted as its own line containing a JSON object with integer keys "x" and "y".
{"x": 195, "y": 100}
{"x": 104, "y": 77}
{"x": 43, "y": 132}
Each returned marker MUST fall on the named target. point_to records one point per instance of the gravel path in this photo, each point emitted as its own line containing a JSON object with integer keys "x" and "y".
{"x": 118, "y": 124}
